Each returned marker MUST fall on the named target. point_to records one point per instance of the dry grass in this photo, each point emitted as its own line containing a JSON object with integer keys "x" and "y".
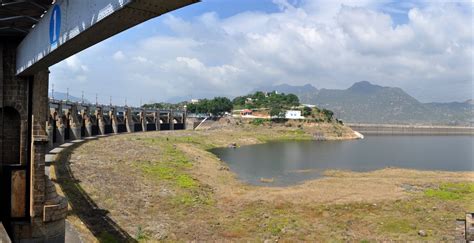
{"x": 165, "y": 185}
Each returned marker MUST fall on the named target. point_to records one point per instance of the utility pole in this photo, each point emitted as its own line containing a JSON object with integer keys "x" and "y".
{"x": 67, "y": 95}
{"x": 82, "y": 98}
{"x": 96, "y": 99}
{"x": 110, "y": 100}
{"x": 52, "y": 91}
{"x": 125, "y": 101}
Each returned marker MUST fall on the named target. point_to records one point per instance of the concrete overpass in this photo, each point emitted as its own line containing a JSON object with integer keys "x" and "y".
{"x": 35, "y": 34}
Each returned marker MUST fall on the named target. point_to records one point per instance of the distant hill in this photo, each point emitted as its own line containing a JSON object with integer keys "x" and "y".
{"x": 63, "y": 96}
{"x": 369, "y": 103}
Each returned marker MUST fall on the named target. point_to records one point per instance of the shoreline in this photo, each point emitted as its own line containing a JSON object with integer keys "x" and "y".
{"x": 208, "y": 194}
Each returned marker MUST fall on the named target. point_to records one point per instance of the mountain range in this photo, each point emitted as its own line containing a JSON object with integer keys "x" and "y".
{"x": 365, "y": 102}
{"x": 64, "y": 96}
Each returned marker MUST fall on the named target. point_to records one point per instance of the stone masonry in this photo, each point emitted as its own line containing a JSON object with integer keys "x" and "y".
{"x": 39, "y": 211}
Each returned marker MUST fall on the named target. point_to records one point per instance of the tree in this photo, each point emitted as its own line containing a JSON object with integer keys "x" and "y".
{"x": 329, "y": 114}
{"x": 266, "y": 100}
{"x": 239, "y": 101}
{"x": 276, "y": 111}
{"x": 220, "y": 105}
{"x": 307, "y": 111}
{"x": 217, "y": 106}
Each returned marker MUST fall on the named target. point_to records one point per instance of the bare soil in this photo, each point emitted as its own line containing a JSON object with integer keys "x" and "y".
{"x": 166, "y": 186}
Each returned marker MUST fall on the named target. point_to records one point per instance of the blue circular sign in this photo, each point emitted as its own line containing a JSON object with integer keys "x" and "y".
{"x": 55, "y": 25}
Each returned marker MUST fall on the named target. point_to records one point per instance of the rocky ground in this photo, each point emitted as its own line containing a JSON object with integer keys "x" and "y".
{"x": 166, "y": 186}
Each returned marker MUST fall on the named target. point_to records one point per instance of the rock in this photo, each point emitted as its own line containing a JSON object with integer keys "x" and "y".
{"x": 224, "y": 168}
{"x": 266, "y": 180}
{"x": 422, "y": 233}
{"x": 232, "y": 145}
{"x": 266, "y": 216}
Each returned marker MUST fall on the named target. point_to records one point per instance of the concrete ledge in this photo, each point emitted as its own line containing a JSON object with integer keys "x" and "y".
{"x": 469, "y": 231}
{"x": 4, "y": 238}
{"x": 65, "y": 145}
{"x": 56, "y": 150}
{"x": 49, "y": 159}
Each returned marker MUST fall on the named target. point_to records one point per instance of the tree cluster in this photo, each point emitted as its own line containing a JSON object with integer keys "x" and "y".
{"x": 217, "y": 106}
{"x": 266, "y": 100}
{"x": 165, "y": 106}
{"x": 276, "y": 102}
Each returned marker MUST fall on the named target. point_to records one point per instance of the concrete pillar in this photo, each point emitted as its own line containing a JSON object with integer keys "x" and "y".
{"x": 171, "y": 119}
{"x": 185, "y": 113}
{"x": 100, "y": 121}
{"x": 157, "y": 120}
{"x": 50, "y": 133}
{"x": 113, "y": 120}
{"x": 74, "y": 123}
{"x": 143, "y": 120}
{"x": 86, "y": 121}
{"x": 61, "y": 132}
{"x": 129, "y": 120}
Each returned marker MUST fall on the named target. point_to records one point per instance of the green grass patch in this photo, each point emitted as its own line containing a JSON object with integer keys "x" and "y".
{"x": 258, "y": 121}
{"x": 451, "y": 191}
{"x": 185, "y": 181}
{"x": 172, "y": 167}
{"x": 192, "y": 200}
{"x": 395, "y": 225}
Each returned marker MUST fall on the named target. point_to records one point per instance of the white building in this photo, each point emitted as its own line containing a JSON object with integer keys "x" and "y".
{"x": 292, "y": 114}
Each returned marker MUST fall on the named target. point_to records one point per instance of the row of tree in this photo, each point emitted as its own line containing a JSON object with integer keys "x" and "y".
{"x": 217, "y": 106}
{"x": 267, "y": 100}
{"x": 165, "y": 106}
{"x": 277, "y": 103}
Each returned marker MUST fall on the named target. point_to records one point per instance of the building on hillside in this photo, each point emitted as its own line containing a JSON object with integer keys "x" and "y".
{"x": 246, "y": 112}
{"x": 293, "y": 114}
{"x": 194, "y": 101}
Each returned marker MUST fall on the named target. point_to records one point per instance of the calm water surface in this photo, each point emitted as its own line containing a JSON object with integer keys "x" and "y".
{"x": 293, "y": 162}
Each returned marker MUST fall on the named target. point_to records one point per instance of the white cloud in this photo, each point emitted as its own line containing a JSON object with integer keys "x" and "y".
{"x": 119, "y": 56}
{"x": 330, "y": 44}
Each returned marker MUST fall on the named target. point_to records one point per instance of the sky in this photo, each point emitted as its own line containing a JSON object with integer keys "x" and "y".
{"x": 229, "y": 47}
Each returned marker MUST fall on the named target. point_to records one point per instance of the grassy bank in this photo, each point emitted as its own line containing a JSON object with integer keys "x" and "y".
{"x": 165, "y": 185}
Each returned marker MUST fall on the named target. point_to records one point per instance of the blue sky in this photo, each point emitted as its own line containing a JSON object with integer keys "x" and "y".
{"x": 229, "y": 47}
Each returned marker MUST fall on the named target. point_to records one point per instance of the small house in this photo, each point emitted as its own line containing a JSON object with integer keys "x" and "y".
{"x": 246, "y": 112}
{"x": 293, "y": 114}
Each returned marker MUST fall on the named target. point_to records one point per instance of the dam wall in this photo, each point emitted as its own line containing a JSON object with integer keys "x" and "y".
{"x": 387, "y": 129}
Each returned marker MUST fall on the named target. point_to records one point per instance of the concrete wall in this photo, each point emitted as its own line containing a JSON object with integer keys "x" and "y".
{"x": 413, "y": 130}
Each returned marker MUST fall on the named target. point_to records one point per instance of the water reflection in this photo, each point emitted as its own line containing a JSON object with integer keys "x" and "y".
{"x": 292, "y": 162}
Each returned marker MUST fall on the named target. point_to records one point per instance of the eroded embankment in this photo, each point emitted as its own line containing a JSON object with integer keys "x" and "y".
{"x": 165, "y": 185}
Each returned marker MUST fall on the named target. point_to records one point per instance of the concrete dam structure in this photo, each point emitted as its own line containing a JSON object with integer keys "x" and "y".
{"x": 72, "y": 121}
{"x": 388, "y": 129}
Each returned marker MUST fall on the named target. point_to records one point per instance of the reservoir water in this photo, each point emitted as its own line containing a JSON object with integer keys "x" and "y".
{"x": 289, "y": 163}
